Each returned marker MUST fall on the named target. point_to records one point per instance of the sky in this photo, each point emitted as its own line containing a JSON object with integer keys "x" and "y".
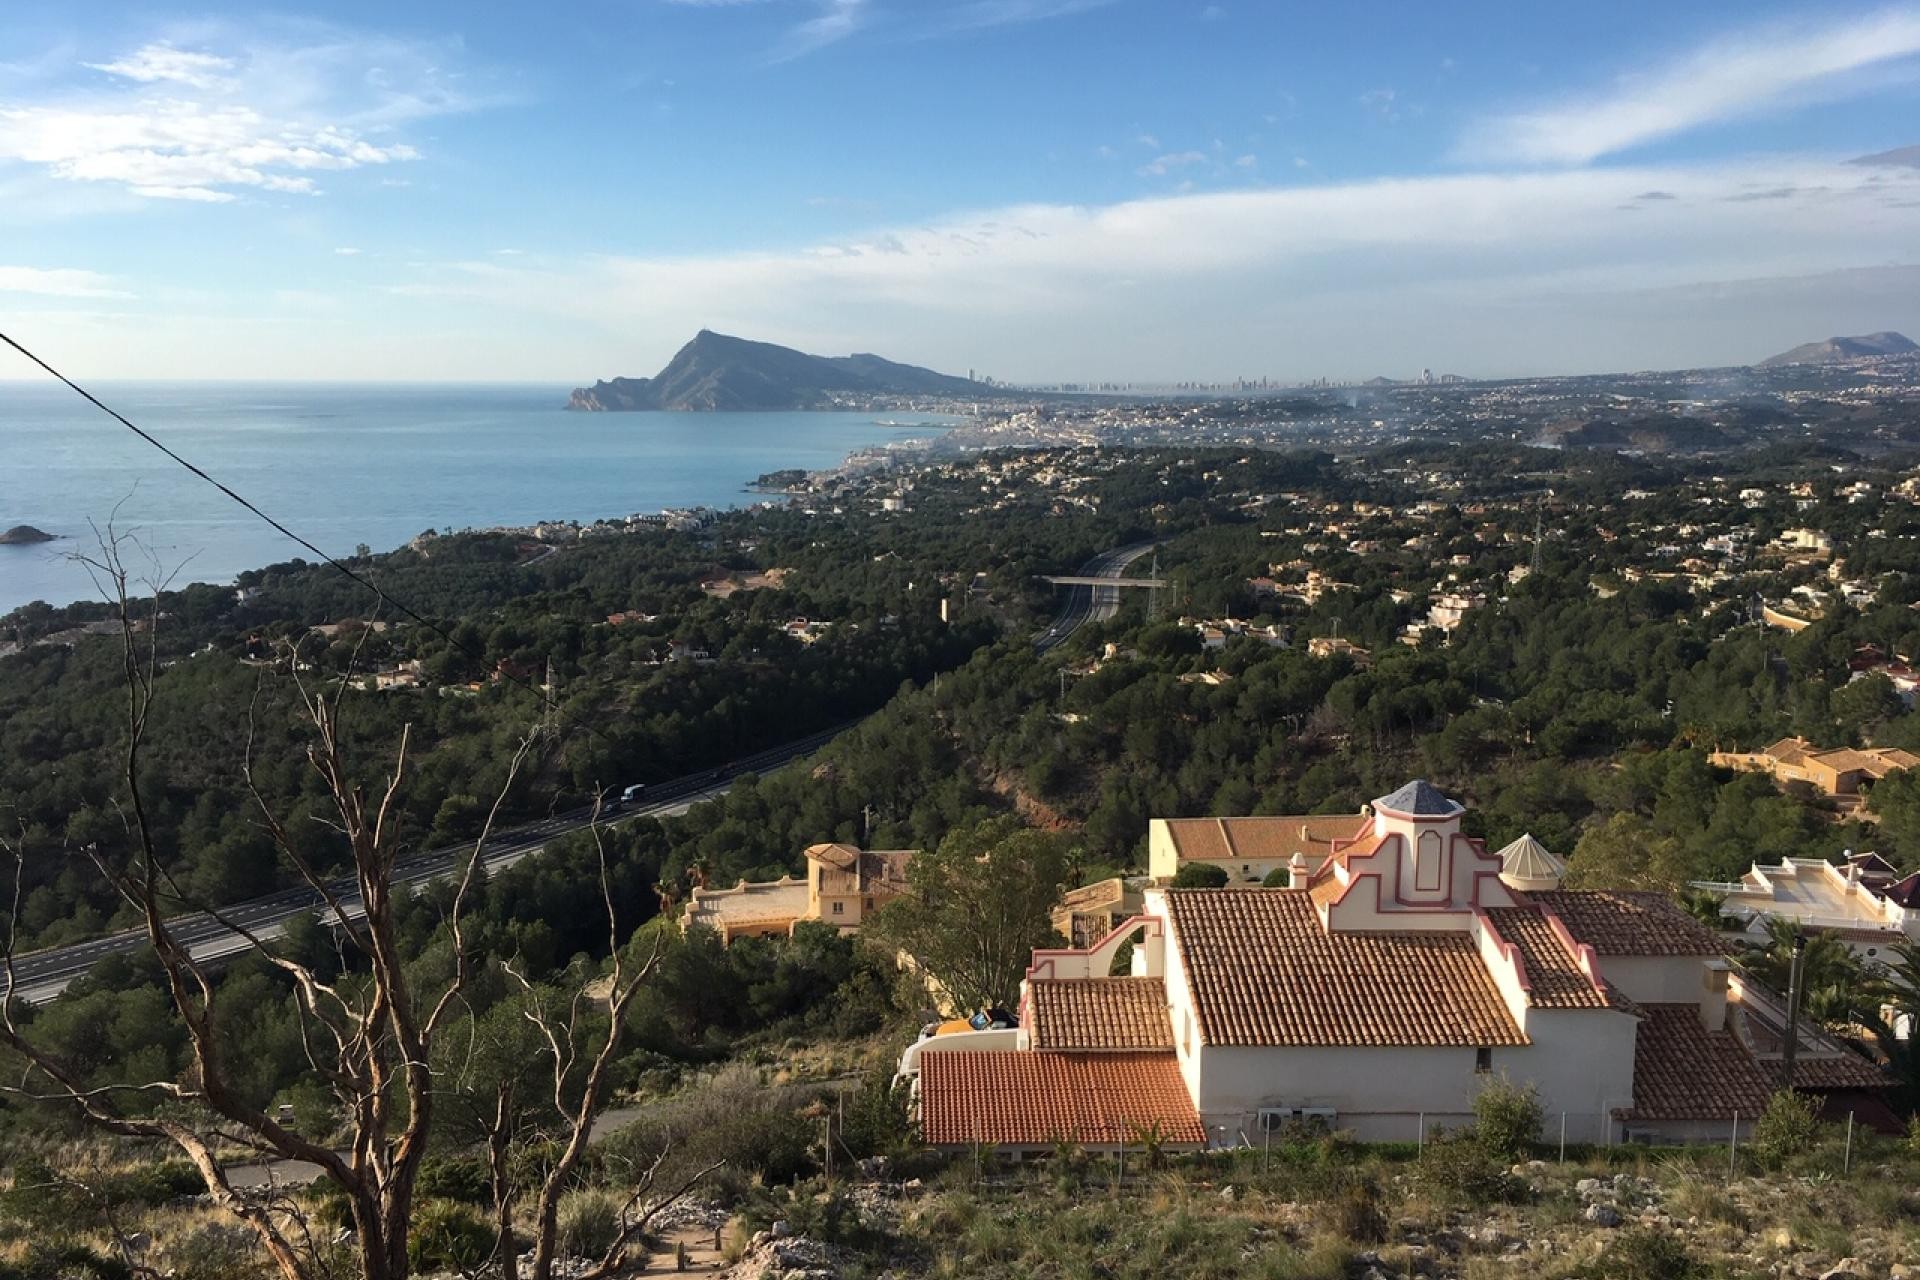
{"x": 1037, "y": 190}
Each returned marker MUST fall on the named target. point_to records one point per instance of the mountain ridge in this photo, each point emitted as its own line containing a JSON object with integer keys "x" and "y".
{"x": 716, "y": 372}
{"x": 1834, "y": 350}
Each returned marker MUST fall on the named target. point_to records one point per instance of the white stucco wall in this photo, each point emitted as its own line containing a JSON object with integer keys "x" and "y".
{"x": 1658, "y": 979}
{"x": 1581, "y": 1063}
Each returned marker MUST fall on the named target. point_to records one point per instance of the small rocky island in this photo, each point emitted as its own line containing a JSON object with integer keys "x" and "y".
{"x": 21, "y": 534}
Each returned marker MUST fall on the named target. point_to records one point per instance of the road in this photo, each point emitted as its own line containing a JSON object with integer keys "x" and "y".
{"x": 42, "y": 975}
{"x": 1092, "y": 604}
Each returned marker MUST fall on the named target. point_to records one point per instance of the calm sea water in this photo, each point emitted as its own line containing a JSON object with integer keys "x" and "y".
{"x": 344, "y": 465}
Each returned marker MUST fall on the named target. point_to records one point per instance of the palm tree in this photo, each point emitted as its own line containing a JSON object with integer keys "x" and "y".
{"x": 1834, "y": 989}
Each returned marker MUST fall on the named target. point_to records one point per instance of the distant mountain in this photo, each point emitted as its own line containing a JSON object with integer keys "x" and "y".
{"x": 1834, "y": 350}
{"x": 717, "y": 372}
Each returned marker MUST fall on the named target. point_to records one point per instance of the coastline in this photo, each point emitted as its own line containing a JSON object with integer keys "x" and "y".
{"x": 542, "y": 468}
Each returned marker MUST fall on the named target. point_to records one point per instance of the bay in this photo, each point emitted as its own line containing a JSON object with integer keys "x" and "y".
{"x": 345, "y": 464}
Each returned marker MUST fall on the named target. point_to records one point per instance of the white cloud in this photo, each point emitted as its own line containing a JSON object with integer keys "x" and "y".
{"x": 1725, "y": 80}
{"x": 1482, "y": 269}
{"x": 58, "y": 282}
{"x": 347, "y": 251}
{"x": 163, "y": 63}
{"x": 200, "y": 126}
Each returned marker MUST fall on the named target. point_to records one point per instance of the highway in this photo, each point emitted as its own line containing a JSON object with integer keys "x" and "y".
{"x": 1086, "y": 604}
{"x": 42, "y": 975}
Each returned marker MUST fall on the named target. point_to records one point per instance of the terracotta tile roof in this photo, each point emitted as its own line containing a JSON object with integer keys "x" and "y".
{"x": 1787, "y": 751}
{"x": 1845, "y": 1072}
{"x": 1261, "y": 839}
{"x": 1616, "y": 922}
{"x": 1100, "y": 1014}
{"x": 1554, "y": 978}
{"x": 1682, "y": 1071}
{"x": 1263, "y": 972}
{"x": 1036, "y": 1099}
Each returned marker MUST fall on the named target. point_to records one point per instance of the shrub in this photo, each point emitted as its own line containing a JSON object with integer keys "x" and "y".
{"x": 878, "y": 1118}
{"x": 1646, "y": 1255}
{"x": 1278, "y": 878}
{"x": 1357, "y": 1212}
{"x": 214, "y": 1252}
{"x": 1913, "y": 1136}
{"x": 589, "y": 1223}
{"x": 162, "y": 1182}
{"x": 1200, "y": 875}
{"x": 1785, "y": 1129}
{"x": 1456, "y": 1165}
{"x": 448, "y": 1235}
{"x": 1507, "y": 1117}
{"x": 462, "y": 1178}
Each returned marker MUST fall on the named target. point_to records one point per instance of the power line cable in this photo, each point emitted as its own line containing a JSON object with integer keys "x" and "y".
{"x": 347, "y": 572}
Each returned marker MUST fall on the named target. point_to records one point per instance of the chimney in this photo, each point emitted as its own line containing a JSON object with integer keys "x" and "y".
{"x": 1297, "y": 870}
{"x": 1713, "y": 999}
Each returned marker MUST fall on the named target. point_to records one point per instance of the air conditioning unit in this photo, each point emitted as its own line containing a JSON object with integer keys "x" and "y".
{"x": 1275, "y": 1119}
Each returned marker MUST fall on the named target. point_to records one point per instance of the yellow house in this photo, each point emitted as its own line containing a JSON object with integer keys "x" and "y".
{"x": 1246, "y": 848}
{"x": 843, "y": 884}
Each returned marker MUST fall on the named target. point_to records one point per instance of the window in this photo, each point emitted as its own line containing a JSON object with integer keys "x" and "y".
{"x": 1427, "y": 874}
{"x": 839, "y": 908}
{"x": 1483, "y": 1060}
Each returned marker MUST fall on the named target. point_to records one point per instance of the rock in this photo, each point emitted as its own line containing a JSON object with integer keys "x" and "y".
{"x": 1602, "y": 1215}
{"x": 1588, "y": 1186}
{"x": 22, "y": 534}
{"x": 913, "y": 1186}
{"x": 1847, "y": 1269}
{"x": 1229, "y": 1192}
{"x": 780, "y": 1229}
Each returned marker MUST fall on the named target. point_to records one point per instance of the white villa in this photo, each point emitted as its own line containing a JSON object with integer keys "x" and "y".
{"x": 1376, "y": 994}
{"x": 1858, "y": 900}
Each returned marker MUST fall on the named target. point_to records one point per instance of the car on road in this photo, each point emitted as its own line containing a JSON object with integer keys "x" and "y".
{"x": 633, "y": 793}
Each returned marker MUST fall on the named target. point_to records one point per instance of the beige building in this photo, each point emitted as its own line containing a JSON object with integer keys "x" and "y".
{"x": 1090, "y": 913}
{"x": 1834, "y": 772}
{"x": 1376, "y": 995}
{"x": 1245, "y": 848}
{"x": 843, "y": 885}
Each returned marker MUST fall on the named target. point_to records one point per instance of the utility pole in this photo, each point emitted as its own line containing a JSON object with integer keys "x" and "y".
{"x": 1792, "y": 1048}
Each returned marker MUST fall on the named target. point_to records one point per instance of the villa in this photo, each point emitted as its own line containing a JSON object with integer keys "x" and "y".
{"x": 1860, "y": 900}
{"x": 1376, "y": 994}
{"x": 1247, "y": 849}
{"x": 843, "y": 885}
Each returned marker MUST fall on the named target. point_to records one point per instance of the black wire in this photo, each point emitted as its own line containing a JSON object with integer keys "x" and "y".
{"x": 370, "y": 585}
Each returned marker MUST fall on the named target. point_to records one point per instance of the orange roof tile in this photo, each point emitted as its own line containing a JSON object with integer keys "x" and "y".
{"x": 1682, "y": 1071}
{"x": 1263, "y": 838}
{"x": 1615, "y": 922}
{"x": 1554, "y": 978}
{"x": 1263, "y": 972}
{"x": 1037, "y": 1099}
{"x": 1100, "y": 1014}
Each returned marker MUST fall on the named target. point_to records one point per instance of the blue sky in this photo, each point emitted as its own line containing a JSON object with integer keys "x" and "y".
{"x": 1038, "y": 189}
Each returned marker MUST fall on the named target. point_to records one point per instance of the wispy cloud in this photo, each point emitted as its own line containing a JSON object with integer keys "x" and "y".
{"x": 59, "y": 282}
{"x": 1161, "y": 165}
{"x": 836, "y": 20}
{"x": 161, "y": 63}
{"x": 1731, "y": 78}
{"x": 235, "y": 114}
{"x": 1527, "y": 252}
{"x": 974, "y": 15}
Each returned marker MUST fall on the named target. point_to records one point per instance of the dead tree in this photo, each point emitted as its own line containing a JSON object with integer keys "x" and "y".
{"x": 371, "y": 1041}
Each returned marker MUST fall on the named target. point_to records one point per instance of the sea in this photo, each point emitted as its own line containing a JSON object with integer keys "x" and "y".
{"x": 351, "y": 465}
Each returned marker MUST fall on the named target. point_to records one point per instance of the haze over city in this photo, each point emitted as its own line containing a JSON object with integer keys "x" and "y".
{"x": 1038, "y": 190}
